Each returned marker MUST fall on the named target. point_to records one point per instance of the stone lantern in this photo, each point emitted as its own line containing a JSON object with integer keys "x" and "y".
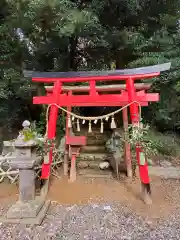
{"x": 30, "y": 209}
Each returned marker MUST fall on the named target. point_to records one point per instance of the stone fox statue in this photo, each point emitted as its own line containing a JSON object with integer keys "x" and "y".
{"x": 115, "y": 145}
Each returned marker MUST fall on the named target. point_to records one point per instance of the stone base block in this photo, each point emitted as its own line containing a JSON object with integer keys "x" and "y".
{"x": 28, "y": 209}
{"x": 31, "y": 213}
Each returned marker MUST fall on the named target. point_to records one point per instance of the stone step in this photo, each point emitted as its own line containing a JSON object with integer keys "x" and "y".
{"x": 94, "y": 131}
{"x": 92, "y": 173}
{"x": 165, "y": 172}
{"x": 92, "y": 157}
{"x": 96, "y": 141}
{"x": 88, "y": 164}
{"x": 93, "y": 134}
{"x": 93, "y": 149}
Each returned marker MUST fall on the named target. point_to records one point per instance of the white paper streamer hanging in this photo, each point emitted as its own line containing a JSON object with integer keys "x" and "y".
{"x": 78, "y": 126}
{"x": 113, "y": 124}
{"x": 90, "y": 129}
{"x": 102, "y": 127}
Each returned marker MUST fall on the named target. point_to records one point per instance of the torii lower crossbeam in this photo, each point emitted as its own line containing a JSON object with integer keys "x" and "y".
{"x": 96, "y": 100}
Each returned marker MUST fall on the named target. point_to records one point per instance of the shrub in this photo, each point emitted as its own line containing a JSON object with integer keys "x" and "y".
{"x": 166, "y": 144}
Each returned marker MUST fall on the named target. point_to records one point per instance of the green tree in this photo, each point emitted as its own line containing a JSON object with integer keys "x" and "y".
{"x": 63, "y": 35}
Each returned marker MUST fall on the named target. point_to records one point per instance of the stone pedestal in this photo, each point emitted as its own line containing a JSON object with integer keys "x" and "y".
{"x": 27, "y": 188}
{"x": 29, "y": 209}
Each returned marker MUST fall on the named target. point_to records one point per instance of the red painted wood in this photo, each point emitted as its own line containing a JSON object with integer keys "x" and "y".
{"x": 92, "y": 91}
{"x": 98, "y": 100}
{"x": 134, "y": 112}
{"x": 97, "y": 78}
{"x": 75, "y": 143}
{"x": 84, "y": 104}
{"x": 132, "y": 97}
{"x": 44, "y": 100}
{"x": 94, "y": 99}
{"x": 51, "y": 129}
{"x": 76, "y": 140}
{"x": 143, "y": 169}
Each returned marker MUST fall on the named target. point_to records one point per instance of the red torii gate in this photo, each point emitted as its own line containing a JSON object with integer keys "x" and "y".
{"x": 58, "y": 95}
{"x": 107, "y": 88}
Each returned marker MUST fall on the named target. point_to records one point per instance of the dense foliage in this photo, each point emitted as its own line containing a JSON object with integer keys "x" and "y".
{"x": 62, "y": 35}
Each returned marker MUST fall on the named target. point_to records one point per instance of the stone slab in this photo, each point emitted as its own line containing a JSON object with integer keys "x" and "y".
{"x": 108, "y": 176}
{"x": 29, "y": 221}
{"x": 91, "y": 173}
{"x": 92, "y": 156}
{"x": 165, "y": 172}
{"x": 22, "y": 163}
{"x": 26, "y": 210}
{"x": 93, "y": 149}
{"x": 19, "y": 142}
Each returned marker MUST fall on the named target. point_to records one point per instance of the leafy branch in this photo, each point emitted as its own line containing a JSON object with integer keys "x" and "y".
{"x": 43, "y": 145}
{"x": 138, "y": 134}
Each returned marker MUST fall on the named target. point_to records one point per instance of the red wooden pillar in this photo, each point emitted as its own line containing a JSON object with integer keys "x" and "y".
{"x": 127, "y": 147}
{"x": 143, "y": 167}
{"x": 52, "y": 129}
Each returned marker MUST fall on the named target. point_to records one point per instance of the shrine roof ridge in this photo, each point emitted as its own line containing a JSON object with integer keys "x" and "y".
{"x": 118, "y": 72}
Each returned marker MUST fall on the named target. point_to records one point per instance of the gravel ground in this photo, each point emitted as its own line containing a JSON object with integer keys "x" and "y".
{"x": 93, "y": 221}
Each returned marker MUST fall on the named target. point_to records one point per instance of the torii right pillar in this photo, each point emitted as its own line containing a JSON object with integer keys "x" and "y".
{"x": 143, "y": 168}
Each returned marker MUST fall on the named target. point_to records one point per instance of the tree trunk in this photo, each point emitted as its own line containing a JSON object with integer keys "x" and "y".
{"x": 73, "y": 53}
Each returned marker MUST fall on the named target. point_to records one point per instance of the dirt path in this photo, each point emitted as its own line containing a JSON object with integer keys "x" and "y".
{"x": 166, "y": 194}
{"x": 99, "y": 209}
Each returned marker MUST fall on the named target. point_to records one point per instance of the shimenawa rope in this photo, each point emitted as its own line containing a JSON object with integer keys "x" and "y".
{"x": 90, "y": 118}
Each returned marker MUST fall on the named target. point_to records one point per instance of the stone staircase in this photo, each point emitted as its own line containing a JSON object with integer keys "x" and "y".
{"x": 93, "y": 154}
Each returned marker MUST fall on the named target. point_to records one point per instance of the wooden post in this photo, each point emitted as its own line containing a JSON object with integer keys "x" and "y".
{"x": 143, "y": 168}
{"x": 66, "y": 155}
{"x": 51, "y": 129}
{"x": 127, "y": 147}
{"x": 66, "y": 160}
{"x": 73, "y": 168}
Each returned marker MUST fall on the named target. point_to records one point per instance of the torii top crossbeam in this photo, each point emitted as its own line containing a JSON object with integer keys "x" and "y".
{"x": 138, "y": 73}
{"x": 94, "y": 98}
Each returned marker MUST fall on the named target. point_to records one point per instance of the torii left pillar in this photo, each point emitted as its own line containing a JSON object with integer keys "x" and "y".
{"x": 46, "y": 167}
